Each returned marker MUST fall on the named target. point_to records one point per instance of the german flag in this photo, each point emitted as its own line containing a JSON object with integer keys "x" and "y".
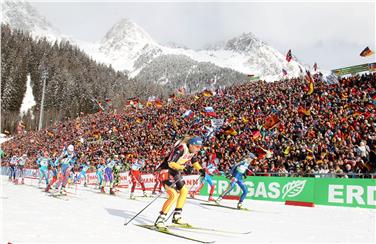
{"x": 271, "y": 121}
{"x": 304, "y": 111}
{"x": 366, "y": 52}
{"x": 139, "y": 120}
{"x": 207, "y": 93}
{"x": 309, "y": 79}
{"x": 158, "y": 103}
{"x": 231, "y": 131}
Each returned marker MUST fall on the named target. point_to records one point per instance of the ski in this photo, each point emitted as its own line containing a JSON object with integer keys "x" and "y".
{"x": 59, "y": 196}
{"x": 207, "y": 229}
{"x": 168, "y": 232}
{"x": 223, "y": 206}
{"x": 197, "y": 199}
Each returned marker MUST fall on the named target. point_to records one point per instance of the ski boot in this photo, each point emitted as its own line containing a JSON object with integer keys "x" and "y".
{"x": 176, "y": 218}
{"x": 192, "y": 194}
{"x": 211, "y": 199}
{"x": 102, "y": 189}
{"x": 22, "y": 181}
{"x": 131, "y": 196}
{"x": 240, "y": 205}
{"x": 145, "y": 195}
{"x": 48, "y": 188}
{"x": 63, "y": 191}
{"x": 112, "y": 192}
{"x": 160, "y": 223}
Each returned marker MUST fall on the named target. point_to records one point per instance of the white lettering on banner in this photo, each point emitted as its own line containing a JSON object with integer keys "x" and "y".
{"x": 235, "y": 191}
{"x": 250, "y": 185}
{"x": 215, "y": 188}
{"x": 222, "y": 186}
{"x": 354, "y": 192}
{"x": 260, "y": 190}
{"x": 274, "y": 190}
{"x": 371, "y": 196}
{"x": 332, "y": 193}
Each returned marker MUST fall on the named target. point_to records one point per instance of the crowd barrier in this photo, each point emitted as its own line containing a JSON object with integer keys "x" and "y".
{"x": 346, "y": 192}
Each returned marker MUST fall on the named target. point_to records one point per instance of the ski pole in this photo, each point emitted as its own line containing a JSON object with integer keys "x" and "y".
{"x": 160, "y": 194}
{"x": 201, "y": 179}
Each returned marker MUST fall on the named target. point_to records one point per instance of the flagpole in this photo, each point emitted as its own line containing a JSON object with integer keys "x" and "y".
{"x": 44, "y": 77}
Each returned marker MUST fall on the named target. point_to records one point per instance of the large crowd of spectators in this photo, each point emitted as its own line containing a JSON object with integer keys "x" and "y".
{"x": 329, "y": 132}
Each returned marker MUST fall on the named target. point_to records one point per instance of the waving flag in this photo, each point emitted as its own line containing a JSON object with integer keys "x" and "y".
{"x": 231, "y": 131}
{"x": 310, "y": 82}
{"x": 210, "y": 111}
{"x": 304, "y": 111}
{"x": 315, "y": 66}
{"x": 284, "y": 72}
{"x": 288, "y": 56}
{"x": 271, "y": 121}
{"x": 158, "y": 103}
{"x": 256, "y": 134}
{"x": 207, "y": 93}
{"x": 188, "y": 113}
{"x": 366, "y": 52}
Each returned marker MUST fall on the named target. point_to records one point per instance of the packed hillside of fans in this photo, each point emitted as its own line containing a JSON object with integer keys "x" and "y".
{"x": 292, "y": 132}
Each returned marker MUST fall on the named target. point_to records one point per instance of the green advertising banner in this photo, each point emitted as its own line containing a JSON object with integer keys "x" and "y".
{"x": 322, "y": 191}
{"x": 346, "y": 192}
{"x": 351, "y": 70}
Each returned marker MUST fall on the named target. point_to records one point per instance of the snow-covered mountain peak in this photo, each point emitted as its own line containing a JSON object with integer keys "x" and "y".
{"x": 244, "y": 43}
{"x": 21, "y": 15}
{"x": 125, "y": 32}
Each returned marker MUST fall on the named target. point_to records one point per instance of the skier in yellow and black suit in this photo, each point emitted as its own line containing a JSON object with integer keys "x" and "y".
{"x": 171, "y": 173}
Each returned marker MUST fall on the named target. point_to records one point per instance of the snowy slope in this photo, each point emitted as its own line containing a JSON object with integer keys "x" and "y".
{"x": 28, "y": 101}
{"x": 28, "y": 215}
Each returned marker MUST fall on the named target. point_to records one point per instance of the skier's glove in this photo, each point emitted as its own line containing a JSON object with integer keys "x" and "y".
{"x": 202, "y": 172}
{"x": 176, "y": 166}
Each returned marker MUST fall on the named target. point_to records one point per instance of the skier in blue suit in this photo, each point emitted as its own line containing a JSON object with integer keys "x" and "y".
{"x": 237, "y": 172}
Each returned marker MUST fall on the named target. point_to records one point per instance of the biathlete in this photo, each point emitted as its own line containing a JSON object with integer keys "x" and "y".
{"x": 237, "y": 172}
{"x": 135, "y": 175}
{"x": 210, "y": 170}
{"x": 172, "y": 166}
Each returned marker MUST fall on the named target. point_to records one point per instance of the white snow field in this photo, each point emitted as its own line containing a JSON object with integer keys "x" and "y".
{"x": 29, "y": 215}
